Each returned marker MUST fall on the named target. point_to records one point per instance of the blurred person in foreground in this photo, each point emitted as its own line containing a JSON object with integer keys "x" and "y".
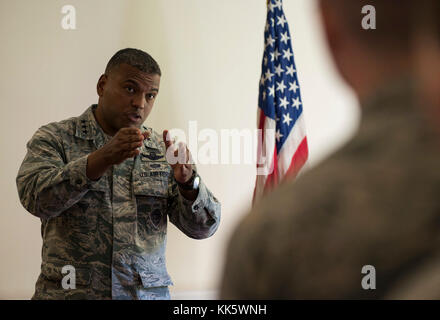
{"x": 427, "y": 55}
{"x": 104, "y": 191}
{"x": 373, "y": 204}
{"x": 424, "y": 282}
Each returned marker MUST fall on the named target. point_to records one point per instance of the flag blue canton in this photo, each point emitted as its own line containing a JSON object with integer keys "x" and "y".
{"x": 279, "y": 94}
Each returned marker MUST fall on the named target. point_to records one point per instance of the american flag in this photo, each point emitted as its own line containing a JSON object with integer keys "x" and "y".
{"x": 282, "y": 151}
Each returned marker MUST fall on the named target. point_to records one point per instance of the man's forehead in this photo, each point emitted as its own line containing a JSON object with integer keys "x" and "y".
{"x": 125, "y": 72}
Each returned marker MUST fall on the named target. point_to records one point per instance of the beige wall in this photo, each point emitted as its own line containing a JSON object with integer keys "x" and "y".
{"x": 210, "y": 54}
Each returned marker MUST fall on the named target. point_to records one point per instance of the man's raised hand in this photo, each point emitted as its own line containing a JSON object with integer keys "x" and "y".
{"x": 178, "y": 157}
{"x": 123, "y": 145}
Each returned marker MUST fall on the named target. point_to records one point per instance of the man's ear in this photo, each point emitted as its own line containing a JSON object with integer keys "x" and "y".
{"x": 101, "y": 84}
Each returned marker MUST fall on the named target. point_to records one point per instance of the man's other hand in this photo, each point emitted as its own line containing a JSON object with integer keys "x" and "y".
{"x": 182, "y": 169}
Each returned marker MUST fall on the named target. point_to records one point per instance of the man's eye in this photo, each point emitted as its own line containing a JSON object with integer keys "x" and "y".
{"x": 129, "y": 89}
{"x": 151, "y": 96}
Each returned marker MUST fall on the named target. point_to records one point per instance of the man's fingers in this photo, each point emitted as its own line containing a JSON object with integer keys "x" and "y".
{"x": 181, "y": 153}
{"x": 129, "y": 146}
{"x": 136, "y": 152}
{"x": 133, "y": 138}
{"x": 131, "y": 154}
{"x": 130, "y": 134}
{"x": 130, "y": 130}
{"x": 178, "y": 154}
{"x": 146, "y": 134}
{"x": 167, "y": 139}
{"x": 134, "y": 145}
{"x": 188, "y": 156}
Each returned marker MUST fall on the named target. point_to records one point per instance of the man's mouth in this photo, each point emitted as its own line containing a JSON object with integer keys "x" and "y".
{"x": 134, "y": 117}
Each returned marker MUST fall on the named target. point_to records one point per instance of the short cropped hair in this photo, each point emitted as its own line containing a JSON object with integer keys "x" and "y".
{"x": 427, "y": 17}
{"x": 135, "y": 58}
{"x": 393, "y": 22}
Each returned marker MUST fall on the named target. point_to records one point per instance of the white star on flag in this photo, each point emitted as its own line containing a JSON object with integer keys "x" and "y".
{"x": 269, "y": 75}
{"x": 286, "y": 118}
{"x": 271, "y": 6}
{"x": 279, "y": 70}
{"x": 278, "y": 135}
{"x": 284, "y": 103}
{"x": 271, "y": 91}
{"x": 290, "y": 70}
{"x": 281, "y": 21}
{"x": 293, "y": 86}
{"x": 270, "y": 41}
{"x": 281, "y": 86}
{"x": 277, "y": 54}
{"x": 296, "y": 103}
{"x": 271, "y": 56}
{"x": 285, "y": 37}
{"x": 287, "y": 54}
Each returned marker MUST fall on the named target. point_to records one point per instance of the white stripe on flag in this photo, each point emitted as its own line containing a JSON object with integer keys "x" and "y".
{"x": 268, "y": 148}
{"x": 290, "y": 146}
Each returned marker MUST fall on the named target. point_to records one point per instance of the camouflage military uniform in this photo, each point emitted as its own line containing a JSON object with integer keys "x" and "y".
{"x": 113, "y": 231}
{"x": 375, "y": 202}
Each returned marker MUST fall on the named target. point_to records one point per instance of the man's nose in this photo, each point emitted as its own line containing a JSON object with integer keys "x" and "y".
{"x": 138, "y": 101}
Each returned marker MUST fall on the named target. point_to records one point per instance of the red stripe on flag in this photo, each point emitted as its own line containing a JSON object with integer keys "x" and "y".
{"x": 261, "y": 127}
{"x": 298, "y": 159}
{"x": 272, "y": 179}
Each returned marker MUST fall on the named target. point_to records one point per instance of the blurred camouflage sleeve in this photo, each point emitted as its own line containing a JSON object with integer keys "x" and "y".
{"x": 47, "y": 185}
{"x": 198, "y": 219}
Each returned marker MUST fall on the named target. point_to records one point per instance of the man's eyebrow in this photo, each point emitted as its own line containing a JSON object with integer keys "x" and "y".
{"x": 133, "y": 82}
{"x": 139, "y": 86}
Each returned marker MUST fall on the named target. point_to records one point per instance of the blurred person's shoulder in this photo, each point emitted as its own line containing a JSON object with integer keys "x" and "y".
{"x": 300, "y": 229}
{"x": 372, "y": 202}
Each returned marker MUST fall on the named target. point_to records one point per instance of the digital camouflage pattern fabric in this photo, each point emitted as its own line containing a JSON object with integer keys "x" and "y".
{"x": 113, "y": 230}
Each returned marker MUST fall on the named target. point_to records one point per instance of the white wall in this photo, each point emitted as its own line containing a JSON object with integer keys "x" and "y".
{"x": 210, "y": 53}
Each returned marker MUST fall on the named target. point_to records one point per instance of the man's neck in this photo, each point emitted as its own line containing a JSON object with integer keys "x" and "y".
{"x": 101, "y": 123}
{"x": 379, "y": 73}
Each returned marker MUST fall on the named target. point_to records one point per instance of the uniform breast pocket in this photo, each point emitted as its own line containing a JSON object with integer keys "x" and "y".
{"x": 151, "y": 191}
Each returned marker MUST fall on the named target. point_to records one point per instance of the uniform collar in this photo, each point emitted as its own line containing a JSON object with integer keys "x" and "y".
{"x": 86, "y": 125}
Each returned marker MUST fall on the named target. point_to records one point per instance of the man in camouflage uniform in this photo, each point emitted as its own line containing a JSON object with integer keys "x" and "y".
{"x": 103, "y": 189}
{"x": 374, "y": 203}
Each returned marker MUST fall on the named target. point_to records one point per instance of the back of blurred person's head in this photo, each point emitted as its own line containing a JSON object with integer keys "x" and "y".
{"x": 426, "y": 43}
{"x": 367, "y": 58}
